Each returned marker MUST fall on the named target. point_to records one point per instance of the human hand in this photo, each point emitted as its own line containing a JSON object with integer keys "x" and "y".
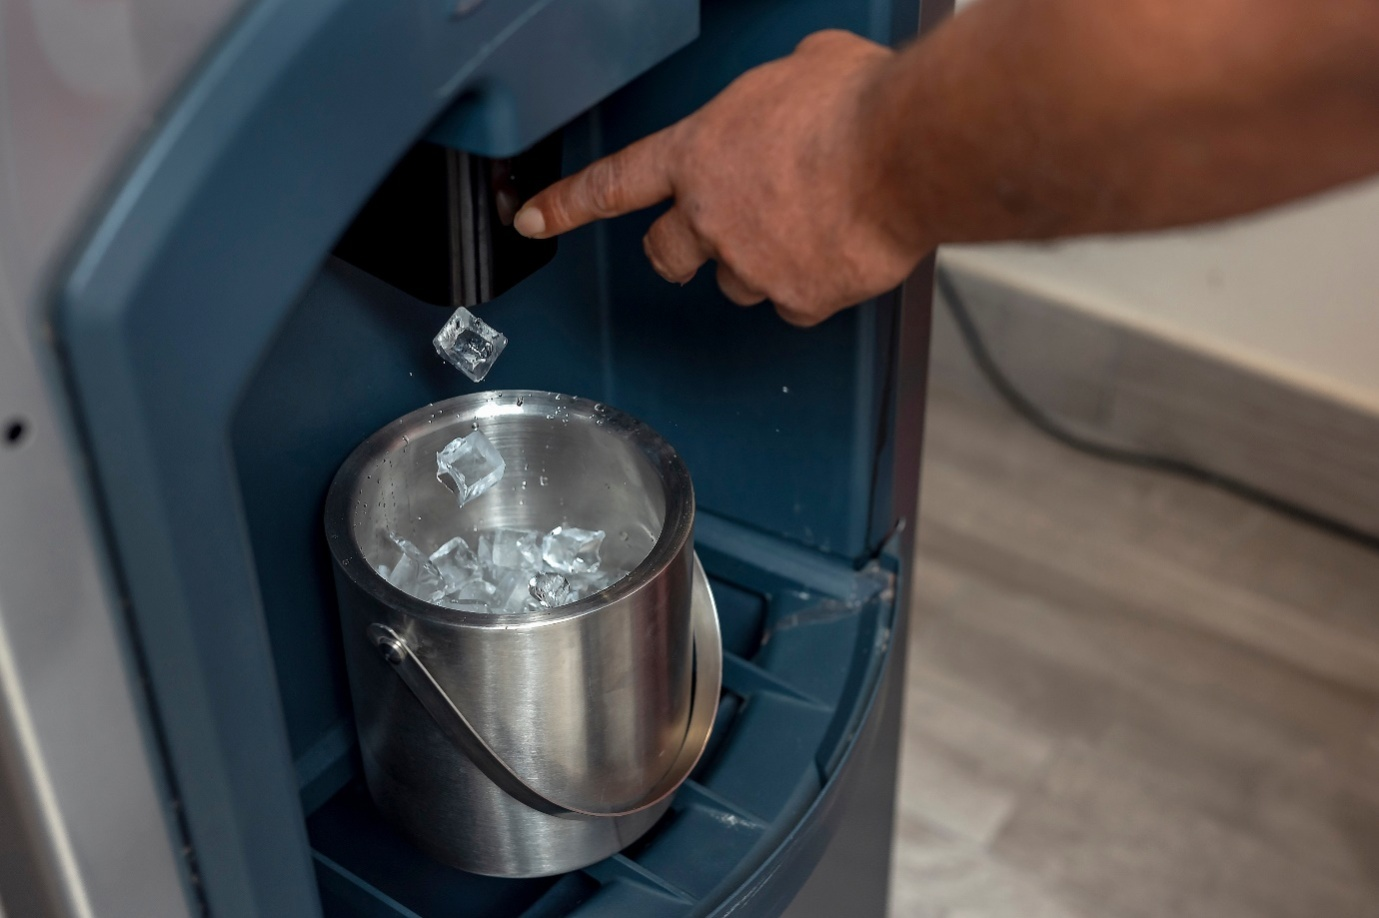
{"x": 776, "y": 179}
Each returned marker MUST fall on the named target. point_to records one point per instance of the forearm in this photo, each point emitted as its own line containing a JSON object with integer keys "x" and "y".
{"x": 820, "y": 179}
{"x": 1031, "y": 119}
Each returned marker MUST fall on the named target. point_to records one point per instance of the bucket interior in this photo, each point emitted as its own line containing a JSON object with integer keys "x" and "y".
{"x": 568, "y": 462}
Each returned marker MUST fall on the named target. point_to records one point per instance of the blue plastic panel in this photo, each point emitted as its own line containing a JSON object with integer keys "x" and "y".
{"x": 222, "y": 374}
{"x": 165, "y": 317}
{"x": 781, "y": 427}
{"x": 594, "y": 47}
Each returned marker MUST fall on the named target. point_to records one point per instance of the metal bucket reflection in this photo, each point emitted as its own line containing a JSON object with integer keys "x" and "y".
{"x": 536, "y": 743}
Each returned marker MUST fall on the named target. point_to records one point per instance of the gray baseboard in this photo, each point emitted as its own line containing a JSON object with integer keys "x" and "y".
{"x": 1140, "y": 390}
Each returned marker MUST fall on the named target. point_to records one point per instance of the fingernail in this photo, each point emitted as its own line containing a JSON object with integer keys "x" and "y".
{"x": 530, "y": 222}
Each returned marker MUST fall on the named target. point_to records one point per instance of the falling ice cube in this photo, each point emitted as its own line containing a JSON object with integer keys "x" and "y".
{"x": 469, "y": 344}
{"x": 572, "y": 551}
{"x": 456, "y": 562}
{"x": 471, "y": 463}
{"x": 414, "y": 573}
{"x": 550, "y": 590}
{"x": 517, "y": 549}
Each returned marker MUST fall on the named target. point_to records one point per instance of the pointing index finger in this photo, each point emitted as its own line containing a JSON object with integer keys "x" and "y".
{"x": 630, "y": 179}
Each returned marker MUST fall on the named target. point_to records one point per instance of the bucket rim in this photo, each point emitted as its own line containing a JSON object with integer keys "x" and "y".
{"x": 676, "y": 533}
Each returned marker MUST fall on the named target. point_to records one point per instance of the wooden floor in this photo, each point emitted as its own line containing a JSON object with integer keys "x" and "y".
{"x": 1130, "y": 696}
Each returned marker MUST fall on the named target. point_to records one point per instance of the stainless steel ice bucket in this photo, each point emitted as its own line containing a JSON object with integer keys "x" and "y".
{"x": 535, "y": 743}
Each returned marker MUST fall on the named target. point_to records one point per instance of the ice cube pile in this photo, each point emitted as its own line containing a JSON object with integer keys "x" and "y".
{"x": 469, "y": 344}
{"x": 509, "y": 570}
{"x": 506, "y": 570}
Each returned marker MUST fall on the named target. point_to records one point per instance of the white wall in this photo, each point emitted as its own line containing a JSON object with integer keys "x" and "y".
{"x": 1294, "y": 292}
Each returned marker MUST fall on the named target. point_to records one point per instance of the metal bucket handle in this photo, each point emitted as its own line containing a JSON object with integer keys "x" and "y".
{"x": 708, "y": 677}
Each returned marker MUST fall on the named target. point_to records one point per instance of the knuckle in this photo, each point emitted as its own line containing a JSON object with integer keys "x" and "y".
{"x": 653, "y": 245}
{"x": 799, "y": 315}
{"x": 653, "y": 255}
{"x": 734, "y": 290}
{"x": 732, "y": 273}
{"x": 821, "y": 38}
{"x": 604, "y": 187}
{"x": 658, "y": 235}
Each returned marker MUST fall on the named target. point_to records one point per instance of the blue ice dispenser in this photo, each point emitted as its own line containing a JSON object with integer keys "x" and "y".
{"x": 251, "y": 289}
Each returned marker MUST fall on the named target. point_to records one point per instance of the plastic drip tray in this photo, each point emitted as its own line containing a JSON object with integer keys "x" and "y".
{"x": 808, "y": 636}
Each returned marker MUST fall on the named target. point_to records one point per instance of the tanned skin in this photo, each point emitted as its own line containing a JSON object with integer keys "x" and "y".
{"x": 821, "y": 179}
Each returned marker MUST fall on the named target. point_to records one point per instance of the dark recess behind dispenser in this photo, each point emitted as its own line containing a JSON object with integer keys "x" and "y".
{"x": 439, "y": 226}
